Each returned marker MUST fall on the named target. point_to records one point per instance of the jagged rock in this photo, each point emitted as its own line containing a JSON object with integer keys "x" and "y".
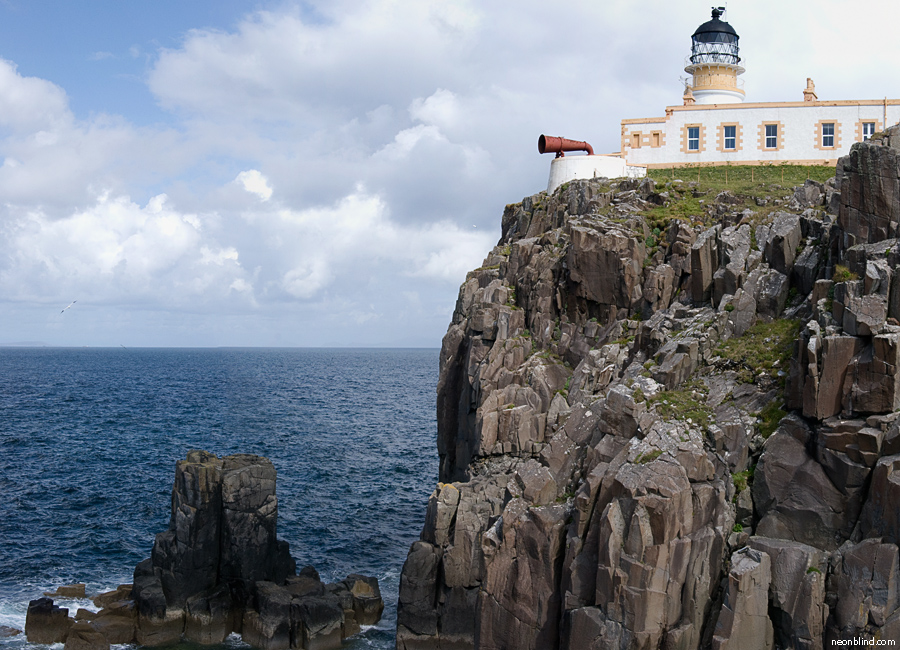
{"x": 115, "y": 629}
{"x": 581, "y": 506}
{"x": 366, "y": 598}
{"x": 794, "y": 496}
{"x": 772, "y": 288}
{"x": 46, "y": 622}
{"x": 122, "y": 592}
{"x": 704, "y": 264}
{"x": 810, "y": 194}
{"x": 620, "y": 414}
{"x": 864, "y": 315}
{"x": 734, "y": 249}
{"x": 823, "y": 365}
{"x": 680, "y": 237}
{"x": 535, "y": 483}
{"x": 659, "y": 287}
{"x": 605, "y": 265}
{"x": 797, "y": 592}
{"x": 782, "y": 241}
{"x": 317, "y": 623}
{"x": 867, "y": 585}
{"x": 267, "y": 625}
{"x": 676, "y": 360}
{"x": 876, "y": 376}
{"x": 805, "y": 272}
{"x": 7, "y": 632}
{"x": 115, "y": 621}
{"x": 157, "y": 623}
{"x": 209, "y": 617}
{"x": 416, "y": 613}
{"x": 880, "y": 516}
{"x": 524, "y": 571}
{"x": 743, "y": 622}
{"x": 82, "y": 636}
{"x": 743, "y": 315}
{"x": 220, "y": 568}
{"x": 743, "y": 509}
{"x": 870, "y": 191}
{"x": 222, "y": 529}
{"x": 589, "y": 629}
{"x": 838, "y": 451}
{"x": 67, "y": 591}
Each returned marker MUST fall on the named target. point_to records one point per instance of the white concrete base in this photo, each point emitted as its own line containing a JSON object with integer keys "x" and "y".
{"x": 718, "y": 96}
{"x": 570, "y": 168}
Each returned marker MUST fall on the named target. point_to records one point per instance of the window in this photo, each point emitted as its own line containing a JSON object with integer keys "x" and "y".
{"x": 828, "y": 134}
{"x": 654, "y": 139}
{"x": 693, "y": 138}
{"x": 730, "y": 137}
{"x": 635, "y": 140}
{"x": 868, "y": 130}
{"x": 771, "y": 136}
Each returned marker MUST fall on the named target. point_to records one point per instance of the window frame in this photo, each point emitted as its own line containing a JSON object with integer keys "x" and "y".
{"x": 773, "y": 137}
{"x": 828, "y": 138}
{"x": 866, "y": 136}
{"x": 732, "y": 137}
{"x": 693, "y": 141}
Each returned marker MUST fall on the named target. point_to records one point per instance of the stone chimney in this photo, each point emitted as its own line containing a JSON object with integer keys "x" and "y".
{"x": 809, "y": 93}
{"x": 688, "y": 96}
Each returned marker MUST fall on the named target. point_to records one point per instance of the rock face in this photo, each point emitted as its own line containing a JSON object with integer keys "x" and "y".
{"x": 46, "y": 623}
{"x": 219, "y": 568}
{"x": 624, "y": 461}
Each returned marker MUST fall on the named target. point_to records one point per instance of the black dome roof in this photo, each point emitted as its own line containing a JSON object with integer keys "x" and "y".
{"x": 715, "y": 31}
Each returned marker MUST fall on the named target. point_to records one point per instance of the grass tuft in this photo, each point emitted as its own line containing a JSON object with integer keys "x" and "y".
{"x": 765, "y": 347}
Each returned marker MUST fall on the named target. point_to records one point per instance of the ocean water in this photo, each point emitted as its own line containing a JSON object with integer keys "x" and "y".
{"x": 89, "y": 440}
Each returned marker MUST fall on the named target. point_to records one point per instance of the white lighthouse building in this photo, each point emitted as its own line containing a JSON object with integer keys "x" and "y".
{"x": 714, "y": 125}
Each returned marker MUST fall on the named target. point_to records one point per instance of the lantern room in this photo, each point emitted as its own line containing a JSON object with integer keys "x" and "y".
{"x": 715, "y": 63}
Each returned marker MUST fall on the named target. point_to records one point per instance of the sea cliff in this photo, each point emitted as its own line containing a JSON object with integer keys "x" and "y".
{"x": 675, "y": 433}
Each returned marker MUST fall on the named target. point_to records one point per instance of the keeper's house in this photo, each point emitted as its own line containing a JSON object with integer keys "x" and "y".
{"x": 714, "y": 126}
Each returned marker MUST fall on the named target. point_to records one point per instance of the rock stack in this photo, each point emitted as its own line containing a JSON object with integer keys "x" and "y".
{"x": 218, "y": 569}
{"x": 637, "y": 448}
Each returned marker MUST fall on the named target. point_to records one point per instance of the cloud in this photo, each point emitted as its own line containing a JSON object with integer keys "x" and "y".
{"x": 254, "y": 182}
{"x": 318, "y": 179}
{"x": 441, "y": 109}
{"x": 114, "y": 251}
{"x": 29, "y": 104}
{"x": 117, "y": 251}
{"x": 278, "y": 66}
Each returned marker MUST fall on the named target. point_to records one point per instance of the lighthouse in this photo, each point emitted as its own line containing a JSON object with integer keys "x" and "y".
{"x": 714, "y": 63}
{"x": 713, "y": 125}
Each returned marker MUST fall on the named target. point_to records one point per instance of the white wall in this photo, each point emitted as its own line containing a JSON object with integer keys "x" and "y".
{"x": 570, "y": 168}
{"x": 799, "y": 132}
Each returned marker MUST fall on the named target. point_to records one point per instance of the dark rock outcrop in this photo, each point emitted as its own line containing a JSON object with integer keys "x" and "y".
{"x": 632, "y": 457}
{"x": 46, "y": 623}
{"x": 219, "y": 568}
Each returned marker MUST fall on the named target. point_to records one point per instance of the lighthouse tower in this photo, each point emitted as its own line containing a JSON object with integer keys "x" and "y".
{"x": 714, "y": 63}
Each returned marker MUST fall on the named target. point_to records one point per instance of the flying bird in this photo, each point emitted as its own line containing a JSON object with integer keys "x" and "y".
{"x": 70, "y": 304}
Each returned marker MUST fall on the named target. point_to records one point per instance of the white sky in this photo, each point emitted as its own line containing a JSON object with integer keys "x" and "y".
{"x": 325, "y": 173}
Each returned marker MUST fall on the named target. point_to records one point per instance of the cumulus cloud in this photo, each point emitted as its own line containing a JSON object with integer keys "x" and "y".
{"x": 29, "y": 104}
{"x": 254, "y": 182}
{"x": 115, "y": 250}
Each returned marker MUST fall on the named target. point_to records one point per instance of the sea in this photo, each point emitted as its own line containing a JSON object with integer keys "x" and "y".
{"x": 89, "y": 438}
